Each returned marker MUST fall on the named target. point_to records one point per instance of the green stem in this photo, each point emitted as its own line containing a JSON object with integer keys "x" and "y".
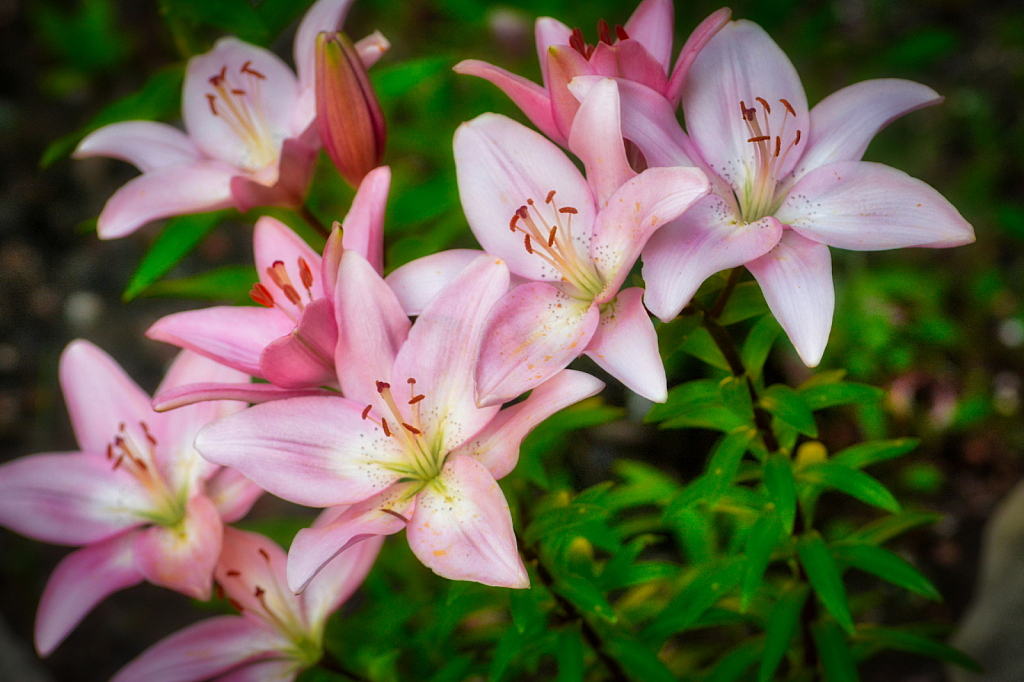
{"x": 312, "y": 220}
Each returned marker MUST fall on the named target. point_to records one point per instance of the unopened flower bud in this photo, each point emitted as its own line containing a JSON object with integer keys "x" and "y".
{"x": 348, "y": 115}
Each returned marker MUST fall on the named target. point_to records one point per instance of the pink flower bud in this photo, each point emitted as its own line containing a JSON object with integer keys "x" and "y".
{"x": 348, "y": 115}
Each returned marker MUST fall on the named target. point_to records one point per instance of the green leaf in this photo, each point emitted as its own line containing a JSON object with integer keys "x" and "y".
{"x": 585, "y": 596}
{"x": 853, "y": 482}
{"x": 761, "y": 541}
{"x": 230, "y": 283}
{"x": 778, "y": 479}
{"x": 638, "y": 660}
{"x": 788, "y": 406}
{"x": 564, "y": 520}
{"x": 745, "y": 302}
{"x": 696, "y": 533}
{"x": 820, "y": 397}
{"x": 721, "y": 471}
{"x": 758, "y": 344}
{"x": 672, "y": 334}
{"x": 177, "y": 238}
{"x": 882, "y": 530}
{"x": 901, "y": 640}
{"x": 396, "y": 80}
{"x": 834, "y": 653}
{"x": 700, "y": 345}
{"x": 885, "y": 565}
{"x": 525, "y": 607}
{"x": 682, "y": 399}
{"x": 711, "y": 416}
{"x": 570, "y": 656}
{"x": 782, "y": 625}
{"x": 508, "y": 647}
{"x": 621, "y": 571}
{"x": 159, "y": 98}
{"x": 737, "y": 661}
{"x": 736, "y": 396}
{"x": 865, "y": 454}
{"x": 825, "y": 578}
{"x": 643, "y": 484}
{"x": 709, "y": 583}
{"x": 231, "y": 16}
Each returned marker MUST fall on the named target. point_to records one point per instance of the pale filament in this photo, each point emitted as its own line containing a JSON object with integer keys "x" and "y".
{"x": 769, "y": 157}
{"x": 554, "y": 243}
{"x": 285, "y": 622}
{"x": 410, "y": 435}
{"x": 128, "y": 453}
{"x": 241, "y": 108}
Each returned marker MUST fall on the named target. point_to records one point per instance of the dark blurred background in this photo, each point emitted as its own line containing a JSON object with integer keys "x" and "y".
{"x": 941, "y": 331}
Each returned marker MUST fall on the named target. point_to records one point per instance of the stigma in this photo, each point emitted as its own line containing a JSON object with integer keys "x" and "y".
{"x": 237, "y": 100}
{"x": 770, "y": 153}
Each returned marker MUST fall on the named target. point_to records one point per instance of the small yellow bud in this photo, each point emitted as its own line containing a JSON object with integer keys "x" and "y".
{"x": 811, "y": 452}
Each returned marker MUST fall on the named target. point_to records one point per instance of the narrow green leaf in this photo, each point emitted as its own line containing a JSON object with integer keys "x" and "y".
{"x": 825, "y": 378}
{"x": 737, "y": 661}
{"x": 638, "y": 659}
{"x": 454, "y": 670}
{"x": 585, "y": 596}
{"x": 564, "y": 520}
{"x": 159, "y": 98}
{"x": 778, "y": 479}
{"x": 672, "y": 334}
{"x": 865, "y": 454}
{"x": 825, "y": 577}
{"x": 882, "y": 530}
{"x": 788, "y": 406}
{"x": 711, "y": 416}
{"x": 709, "y": 583}
{"x": 696, "y": 533}
{"x": 525, "y": 608}
{"x": 682, "y": 399}
{"x": 700, "y": 345}
{"x": 643, "y": 484}
{"x": 782, "y": 625}
{"x": 508, "y": 647}
{"x": 570, "y": 656}
{"x": 761, "y": 541}
{"x": 820, "y": 397}
{"x": 853, "y": 482}
{"x": 736, "y": 396}
{"x": 885, "y": 565}
{"x": 758, "y": 344}
{"x": 177, "y": 238}
{"x": 901, "y": 640}
{"x": 746, "y": 301}
{"x": 232, "y": 16}
{"x": 720, "y": 474}
{"x": 230, "y": 283}
{"x": 834, "y": 653}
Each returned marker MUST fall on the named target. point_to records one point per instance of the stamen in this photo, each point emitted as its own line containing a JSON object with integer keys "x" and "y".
{"x": 264, "y": 554}
{"x": 621, "y": 32}
{"x": 529, "y": 249}
{"x": 395, "y": 514}
{"x": 213, "y": 106}
{"x": 279, "y": 274}
{"x": 789, "y": 107}
{"x": 252, "y": 72}
{"x": 797, "y": 140}
{"x": 767, "y": 109}
{"x": 416, "y": 399}
{"x": 235, "y": 605}
{"x": 149, "y": 436}
{"x": 238, "y": 91}
{"x": 577, "y": 43}
{"x": 512, "y": 223}
{"x": 778, "y": 145}
{"x": 384, "y": 423}
{"x": 551, "y": 237}
{"x": 759, "y": 138}
{"x": 233, "y": 573}
{"x": 411, "y": 429}
{"x": 604, "y": 34}
{"x": 551, "y": 195}
{"x": 307, "y": 276}
{"x": 261, "y": 295}
{"x": 568, "y": 209}
{"x": 110, "y": 451}
{"x": 366, "y": 411}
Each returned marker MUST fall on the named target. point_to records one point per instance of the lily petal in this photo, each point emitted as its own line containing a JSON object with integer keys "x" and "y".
{"x": 704, "y": 32}
{"x": 231, "y": 335}
{"x": 313, "y": 548}
{"x": 626, "y": 346}
{"x": 865, "y": 206}
{"x": 204, "y": 650}
{"x": 635, "y": 63}
{"x": 69, "y": 499}
{"x": 462, "y": 528}
{"x": 273, "y": 95}
{"x": 295, "y": 168}
{"x": 338, "y": 580}
{"x": 740, "y": 63}
{"x": 169, "y": 191}
{"x": 99, "y": 395}
{"x": 548, "y": 32}
{"x": 500, "y": 165}
{"x": 532, "y": 99}
{"x": 232, "y": 493}
{"x": 796, "y": 279}
{"x": 251, "y": 570}
{"x": 249, "y": 393}
{"x": 304, "y": 358}
{"x": 596, "y": 138}
{"x": 324, "y": 15}
{"x": 843, "y": 124}
{"x": 441, "y": 350}
{"x": 651, "y": 24}
{"x": 182, "y": 557}
{"x": 534, "y": 331}
{"x": 634, "y": 213}
{"x": 371, "y": 328}
{"x": 82, "y": 580}
{"x": 364, "y": 224}
{"x": 274, "y": 242}
{"x": 564, "y": 64}
{"x": 372, "y": 48}
{"x": 418, "y": 281}
{"x": 146, "y": 144}
{"x": 497, "y": 445}
{"x": 705, "y": 240}
{"x": 318, "y": 452}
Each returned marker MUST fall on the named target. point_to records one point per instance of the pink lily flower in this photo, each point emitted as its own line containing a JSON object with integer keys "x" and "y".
{"x": 788, "y": 182}
{"x": 407, "y": 447}
{"x": 278, "y": 634}
{"x": 138, "y": 498}
{"x": 573, "y": 239}
{"x": 640, "y": 51}
{"x": 250, "y": 137}
{"x": 289, "y": 340}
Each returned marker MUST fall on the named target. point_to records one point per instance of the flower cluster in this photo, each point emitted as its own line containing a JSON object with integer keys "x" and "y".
{"x": 389, "y": 423}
